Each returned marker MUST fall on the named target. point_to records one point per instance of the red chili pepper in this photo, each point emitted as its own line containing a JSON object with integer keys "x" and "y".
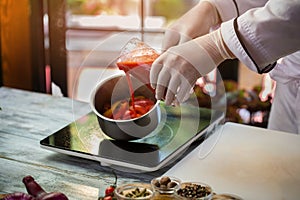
{"x": 140, "y": 110}
{"x": 144, "y": 102}
{"x": 109, "y": 191}
{"x": 147, "y": 108}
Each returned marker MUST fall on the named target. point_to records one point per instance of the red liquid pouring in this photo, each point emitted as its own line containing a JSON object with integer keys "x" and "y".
{"x": 131, "y": 91}
{"x": 136, "y": 60}
{"x": 126, "y": 67}
{"x": 138, "y": 65}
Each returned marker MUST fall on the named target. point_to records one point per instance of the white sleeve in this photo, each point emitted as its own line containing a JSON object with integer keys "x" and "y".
{"x": 229, "y": 9}
{"x": 262, "y": 35}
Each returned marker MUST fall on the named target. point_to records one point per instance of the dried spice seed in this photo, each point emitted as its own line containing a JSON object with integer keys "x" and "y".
{"x": 165, "y": 183}
{"x": 194, "y": 191}
{"x": 156, "y": 183}
{"x": 137, "y": 192}
{"x": 171, "y": 184}
{"x": 165, "y": 180}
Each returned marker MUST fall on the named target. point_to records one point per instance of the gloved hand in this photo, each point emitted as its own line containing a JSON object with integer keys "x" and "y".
{"x": 175, "y": 72}
{"x": 196, "y": 22}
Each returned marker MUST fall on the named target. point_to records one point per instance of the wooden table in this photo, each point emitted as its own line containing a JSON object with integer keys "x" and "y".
{"x": 26, "y": 118}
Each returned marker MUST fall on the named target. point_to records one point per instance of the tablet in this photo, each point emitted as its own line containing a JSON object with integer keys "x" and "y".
{"x": 178, "y": 129}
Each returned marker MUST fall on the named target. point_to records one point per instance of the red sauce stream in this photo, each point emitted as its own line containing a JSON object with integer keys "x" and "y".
{"x": 131, "y": 91}
{"x": 137, "y": 63}
{"x": 141, "y": 72}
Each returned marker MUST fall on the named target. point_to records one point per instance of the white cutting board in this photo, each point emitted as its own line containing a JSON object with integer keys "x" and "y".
{"x": 253, "y": 163}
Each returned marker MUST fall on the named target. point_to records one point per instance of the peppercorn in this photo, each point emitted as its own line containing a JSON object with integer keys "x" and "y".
{"x": 194, "y": 191}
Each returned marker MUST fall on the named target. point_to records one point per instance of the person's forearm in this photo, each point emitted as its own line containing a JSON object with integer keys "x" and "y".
{"x": 262, "y": 35}
{"x": 229, "y": 9}
{"x": 199, "y": 19}
{"x": 196, "y": 22}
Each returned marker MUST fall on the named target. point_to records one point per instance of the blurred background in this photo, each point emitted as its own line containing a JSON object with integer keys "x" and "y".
{"x": 64, "y": 47}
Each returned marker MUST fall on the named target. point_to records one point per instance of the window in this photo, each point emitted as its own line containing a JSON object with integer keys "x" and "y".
{"x": 98, "y": 29}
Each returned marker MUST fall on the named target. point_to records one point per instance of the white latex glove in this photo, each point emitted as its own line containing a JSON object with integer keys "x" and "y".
{"x": 175, "y": 72}
{"x": 196, "y": 22}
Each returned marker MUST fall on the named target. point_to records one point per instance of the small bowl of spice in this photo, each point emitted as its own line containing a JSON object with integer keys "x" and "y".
{"x": 165, "y": 184}
{"x": 195, "y": 191}
{"x": 225, "y": 197}
{"x": 140, "y": 191}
